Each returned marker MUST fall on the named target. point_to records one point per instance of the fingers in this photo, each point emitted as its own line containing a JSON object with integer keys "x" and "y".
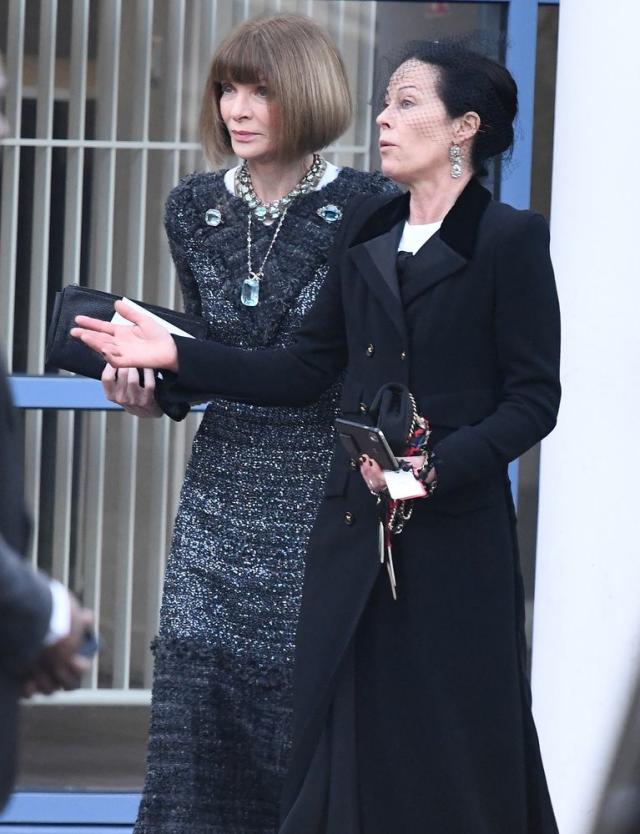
{"x": 97, "y": 325}
{"x": 100, "y": 342}
{"x": 149, "y": 381}
{"x": 130, "y": 313}
{"x": 372, "y": 474}
{"x": 43, "y": 681}
{"x": 122, "y": 386}
{"x": 108, "y": 380}
{"x": 69, "y": 675}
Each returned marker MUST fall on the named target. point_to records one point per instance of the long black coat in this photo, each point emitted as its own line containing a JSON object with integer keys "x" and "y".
{"x": 25, "y": 599}
{"x": 414, "y": 716}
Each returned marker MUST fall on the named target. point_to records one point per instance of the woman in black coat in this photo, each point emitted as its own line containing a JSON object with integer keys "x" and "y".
{"x": 413, "y": 715}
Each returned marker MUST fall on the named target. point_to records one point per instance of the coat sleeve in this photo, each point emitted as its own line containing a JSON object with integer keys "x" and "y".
{"x": 527, "y": 343}
{"x": 25, "y": 611}
{"x": 288, "y": 377}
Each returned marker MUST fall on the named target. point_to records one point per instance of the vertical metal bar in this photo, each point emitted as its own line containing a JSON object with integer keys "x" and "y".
{"x": 42, "y": 187}
{"x": 107, "y": 78}
{"x": 90, "y": 538}
{"x": 75, "y": 156}
{"x": 362, "y": 103}
{"x": 350, "y": 47}
{"x": 62, "y": 496}
{"x": 163, "y": 433}
{"x": 335, "y": 27}
{"x": 40, "y": 253}
{"x": 66, "y": 420}
{"x": 106, "y": 87}
{"x": 129, "y": 427}
{"x": 15, "y": 64}
{"x": 10, "y": 177}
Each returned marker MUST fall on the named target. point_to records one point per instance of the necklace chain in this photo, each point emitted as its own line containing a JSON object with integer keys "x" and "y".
{"x": 258, "y": 275}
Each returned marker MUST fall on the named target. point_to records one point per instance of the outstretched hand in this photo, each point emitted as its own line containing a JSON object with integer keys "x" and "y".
{"x": 143, "y": 344}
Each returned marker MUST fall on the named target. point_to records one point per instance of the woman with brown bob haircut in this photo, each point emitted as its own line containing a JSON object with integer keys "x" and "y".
{"x": 250, "y": 245}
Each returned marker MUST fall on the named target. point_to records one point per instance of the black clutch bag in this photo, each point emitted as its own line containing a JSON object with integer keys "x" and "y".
{"x": 69, "y": 354}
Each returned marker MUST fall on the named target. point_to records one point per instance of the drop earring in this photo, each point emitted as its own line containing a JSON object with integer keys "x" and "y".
{"x": 455, "y": 160}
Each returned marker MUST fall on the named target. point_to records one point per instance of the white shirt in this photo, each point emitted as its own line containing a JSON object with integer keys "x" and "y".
{"x": 414, "y": 237}
{"x": 60, "y": 623}
{"x": 330, "y": 173}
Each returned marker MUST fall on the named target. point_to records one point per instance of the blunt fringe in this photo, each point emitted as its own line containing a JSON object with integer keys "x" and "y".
{"x": 304, "y": 74}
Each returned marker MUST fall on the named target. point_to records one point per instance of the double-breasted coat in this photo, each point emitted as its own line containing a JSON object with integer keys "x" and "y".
{"x": 414, "y": 715}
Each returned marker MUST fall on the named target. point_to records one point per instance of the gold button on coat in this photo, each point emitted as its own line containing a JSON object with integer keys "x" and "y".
{"x": 371, "y": 350}
{"x": 403, "y": 355}
{"x": 364, "y": 408}
{"x": 348, "y": 518}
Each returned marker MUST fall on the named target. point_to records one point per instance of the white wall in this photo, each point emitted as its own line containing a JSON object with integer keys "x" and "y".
{"x": 587, "y": 614}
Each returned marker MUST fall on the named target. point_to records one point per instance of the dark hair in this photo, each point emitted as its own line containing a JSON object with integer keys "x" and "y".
{"x": 469, "y": 80}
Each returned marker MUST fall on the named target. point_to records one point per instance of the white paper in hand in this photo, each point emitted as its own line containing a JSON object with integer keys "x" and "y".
{"x": 176, "y": 331}
{"x": 403, "y": 485}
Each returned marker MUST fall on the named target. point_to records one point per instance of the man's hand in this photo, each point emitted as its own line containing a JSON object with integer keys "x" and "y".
{"x": 59, "y": 666}
{"x": 146, "y": 344}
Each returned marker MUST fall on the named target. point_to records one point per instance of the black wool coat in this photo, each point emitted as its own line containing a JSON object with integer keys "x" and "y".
{"x": 414, "y": 715}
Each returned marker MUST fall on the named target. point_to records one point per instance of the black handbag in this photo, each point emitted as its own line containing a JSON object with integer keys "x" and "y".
{"x": 69, "y": 354}
{"x": 394, "y": 411}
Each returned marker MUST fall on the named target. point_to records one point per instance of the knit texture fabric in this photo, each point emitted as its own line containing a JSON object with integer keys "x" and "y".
{"x": 221, "y": 703}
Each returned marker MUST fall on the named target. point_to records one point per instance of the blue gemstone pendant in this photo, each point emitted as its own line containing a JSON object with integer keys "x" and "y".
{"x": 330, "y": 213}
{"x": 250, "y": 294}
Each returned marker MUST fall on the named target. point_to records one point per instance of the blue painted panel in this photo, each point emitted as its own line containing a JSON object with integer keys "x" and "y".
{"x": 522, "y": 30}
{"x": 71, "y": 808}
{"x": 62, "y": 392}
{"x": 65, "y": 829}
{"x": 59, "y": 392}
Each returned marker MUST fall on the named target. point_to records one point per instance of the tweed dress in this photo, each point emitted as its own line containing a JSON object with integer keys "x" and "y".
{"x": 221, "y": 701}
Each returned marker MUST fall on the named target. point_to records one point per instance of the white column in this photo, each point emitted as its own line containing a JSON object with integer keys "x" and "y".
{"x": 586, "y": 646}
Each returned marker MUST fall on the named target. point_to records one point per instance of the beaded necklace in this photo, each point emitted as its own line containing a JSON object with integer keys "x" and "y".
{"x": 268, "y": 213}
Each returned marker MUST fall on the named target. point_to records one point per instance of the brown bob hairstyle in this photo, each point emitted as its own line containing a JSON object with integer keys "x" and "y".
{"x": 303, "y": 72}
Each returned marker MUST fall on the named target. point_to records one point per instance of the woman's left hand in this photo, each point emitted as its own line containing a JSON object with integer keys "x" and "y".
{"x": 374, "y": 476}
{"x": 146, "y": 344}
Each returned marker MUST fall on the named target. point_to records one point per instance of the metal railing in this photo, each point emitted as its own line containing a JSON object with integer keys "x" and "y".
{"x": 103, "y": 99}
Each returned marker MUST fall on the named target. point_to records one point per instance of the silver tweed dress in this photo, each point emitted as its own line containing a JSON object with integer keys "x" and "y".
{"x": 221, "y": 702}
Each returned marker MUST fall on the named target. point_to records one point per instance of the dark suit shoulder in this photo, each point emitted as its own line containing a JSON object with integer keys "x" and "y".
{"x": 509, "y": 230}
{"x": 360, "y": 208}
{"x": 511, "y": 220}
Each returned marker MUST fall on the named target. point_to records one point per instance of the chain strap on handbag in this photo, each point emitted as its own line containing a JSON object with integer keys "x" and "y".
{"x": 396, "y": 413}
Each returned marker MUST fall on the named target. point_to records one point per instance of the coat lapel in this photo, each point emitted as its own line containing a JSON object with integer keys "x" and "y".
{"x": 431, "y": 264}
{"x": 374, "y": 248}
{"x": 375, "y": 259}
